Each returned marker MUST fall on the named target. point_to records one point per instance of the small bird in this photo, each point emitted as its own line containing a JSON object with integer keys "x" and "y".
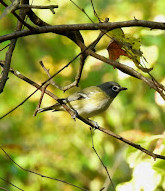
{"x": 89, "y": 101}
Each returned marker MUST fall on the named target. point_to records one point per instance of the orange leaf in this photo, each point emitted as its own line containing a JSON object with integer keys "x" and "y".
{"x": 115, "y": 50}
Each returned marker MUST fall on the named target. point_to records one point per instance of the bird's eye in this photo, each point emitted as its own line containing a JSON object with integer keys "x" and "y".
{"x": 115, "y": 88}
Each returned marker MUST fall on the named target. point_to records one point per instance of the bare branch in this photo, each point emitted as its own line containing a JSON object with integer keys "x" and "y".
{"x": 110, "y": 179}
{"x": 1, "y": 188}
{"x": 108, "y": 132}
{"x": 37, "y": 6}
{"x": 40, "y": 100}
{"x": 94, "y": 11}
{"x": 11, "y": 183}
{"x": 10, "y": 51}
{"x": 48, "y": 74}
{"x": 24, "y": 78}
{"x": 5, "y": 47}
{"x": 82, "y": 10}
{"x": 6, "y": 67}
{"x": 24, "y": 6}
{"x": 9, "y": 8}
{"x": 81, "y": 118}
{"x": 18, "y": 17}
{"x": 130, "y": 71}
{"x": 41, "y": 175}
{"x": 76, "y": 27}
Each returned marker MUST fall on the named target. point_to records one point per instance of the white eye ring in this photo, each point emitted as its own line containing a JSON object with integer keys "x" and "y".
{"x": 115, "y": 88}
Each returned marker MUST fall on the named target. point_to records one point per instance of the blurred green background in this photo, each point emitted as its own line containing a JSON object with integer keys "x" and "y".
{"x": 55, "y": 145}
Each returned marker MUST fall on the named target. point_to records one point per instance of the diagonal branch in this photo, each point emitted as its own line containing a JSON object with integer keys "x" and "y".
{"x": 9, "y": 53}
{"x": 130, "y": 71}
{"x": 41, "y": 175}
{"x": 110, "y": 133}
{"x": 18, "y": 17}
{"x": 106, "y": 169}
{"x": 10, "y": 184}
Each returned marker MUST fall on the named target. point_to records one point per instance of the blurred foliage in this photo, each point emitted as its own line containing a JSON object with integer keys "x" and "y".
{"x": 55, "y": 145}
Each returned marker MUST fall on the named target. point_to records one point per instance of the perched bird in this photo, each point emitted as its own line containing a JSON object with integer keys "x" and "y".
{"x": 89, "y": 101}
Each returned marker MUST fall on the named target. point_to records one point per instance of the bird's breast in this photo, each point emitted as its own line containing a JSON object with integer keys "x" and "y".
{"x": 92, "y": 105}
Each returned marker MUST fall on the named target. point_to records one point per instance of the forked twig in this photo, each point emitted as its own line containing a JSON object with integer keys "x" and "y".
{"x": 40, "y": 100}
{"x": 48, "y": 74}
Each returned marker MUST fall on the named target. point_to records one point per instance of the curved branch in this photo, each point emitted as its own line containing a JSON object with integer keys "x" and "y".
{"x": 41, "y": 175}
{"x": 108, "y": 132}
{"x": 76, "y": 27}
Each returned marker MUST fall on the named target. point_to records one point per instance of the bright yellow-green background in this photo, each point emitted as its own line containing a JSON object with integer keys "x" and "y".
{"x": 55, "y": 145}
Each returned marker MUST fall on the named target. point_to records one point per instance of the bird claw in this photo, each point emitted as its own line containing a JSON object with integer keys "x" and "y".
{"x": 75, "y": 114}
{"x": 96, "y": 126}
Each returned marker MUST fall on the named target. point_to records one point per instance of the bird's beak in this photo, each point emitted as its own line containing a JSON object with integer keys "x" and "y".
{"x": 122, "y": 88}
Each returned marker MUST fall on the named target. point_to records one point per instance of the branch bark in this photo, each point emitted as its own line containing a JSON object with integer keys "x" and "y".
{"x": 9, "y": 53}
{"x": 59, "y": 29}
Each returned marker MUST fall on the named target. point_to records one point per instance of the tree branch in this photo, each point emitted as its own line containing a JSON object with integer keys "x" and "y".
{"x": 108, "y": 132}
{"x": 106, "y": 169}
{"x": 41, "y": 175}
{"x": 81, "y": 118}
{"x": 11, "y": 184}
{"x": 76, "y": 27}
{"x": 10, "y": 51}
{"x": 36, "y": 6}
{"x": 18, "y": 17}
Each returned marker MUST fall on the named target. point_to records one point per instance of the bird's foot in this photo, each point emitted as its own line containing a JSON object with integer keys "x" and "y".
{"x": 75, "y": 114}
{"x": 96, "y": 126}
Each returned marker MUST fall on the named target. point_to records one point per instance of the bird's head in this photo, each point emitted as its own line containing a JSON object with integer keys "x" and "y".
{"x": 111, "y": 88}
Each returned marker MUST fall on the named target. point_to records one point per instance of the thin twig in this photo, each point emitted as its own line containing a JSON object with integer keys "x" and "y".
{"x": 60, "y": 101}
{"x": 40, "y": 100}
{"x": 95, "y": 13}
{"x": 93, "y": 147}
{"x": 83, "y": 58}
{"x": 9, "y": 8}
{"x": 18, "y": 17}
{"x": 36, "y": 173}
{"x": 51, "y": 7}
{"x": 4, "y": 47}
{"x": 82, "y": 10}
{"x": 81, "y": 118}
{"x": 37, "y": 6}
{"x": 1, "y": 188}
{"x": 11, "y": 184}
{"x": 128, "y": 70}
{"x": 48, "y": 74}
{"x": 108, "y": 132}
{"x": 29, "y": 81}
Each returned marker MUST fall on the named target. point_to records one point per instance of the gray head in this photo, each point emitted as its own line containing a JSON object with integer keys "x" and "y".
{"x": 111, "y": 88}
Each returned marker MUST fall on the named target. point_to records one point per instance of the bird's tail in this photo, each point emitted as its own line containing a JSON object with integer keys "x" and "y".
{"x": 54, "y": 107}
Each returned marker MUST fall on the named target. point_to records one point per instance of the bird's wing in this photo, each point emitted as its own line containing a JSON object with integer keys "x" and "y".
{"x": 83, "y": 94}
{"x": 76, "y": 96}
